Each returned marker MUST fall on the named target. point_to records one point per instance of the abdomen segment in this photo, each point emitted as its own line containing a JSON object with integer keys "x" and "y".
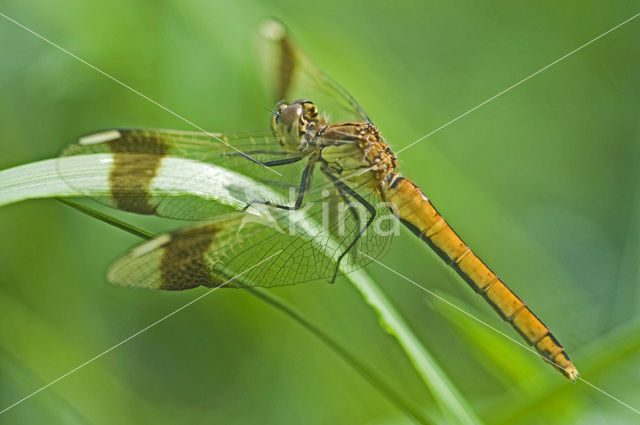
{"x": 419, "y": 215}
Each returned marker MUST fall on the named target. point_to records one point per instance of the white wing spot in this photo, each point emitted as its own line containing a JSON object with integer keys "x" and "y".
{"x": 104, "y": 136}
{"x": 151, "y": 245}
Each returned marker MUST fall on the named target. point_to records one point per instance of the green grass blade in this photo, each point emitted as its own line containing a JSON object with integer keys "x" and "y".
{"x": 357, "y": 364}
{"x": 31, "y": 181}
{"x": 448, "y": 397}
{"x": 504, "y": 359}
{"x": 87, "y": 175}
{"x": 602, "y": 356}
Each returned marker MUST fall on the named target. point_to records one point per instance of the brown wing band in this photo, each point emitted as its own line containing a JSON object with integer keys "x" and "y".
{"x": 135, "y": 164}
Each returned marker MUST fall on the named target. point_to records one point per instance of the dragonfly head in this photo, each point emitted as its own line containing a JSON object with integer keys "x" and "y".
{"x": 292, "y": 122}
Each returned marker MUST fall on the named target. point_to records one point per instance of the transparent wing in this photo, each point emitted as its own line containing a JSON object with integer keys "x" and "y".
{"x": 316, "y": 237}
{"x": 136, "y": 168}
{"x": 291, "y": 74}
{"x": 280, "y": 248}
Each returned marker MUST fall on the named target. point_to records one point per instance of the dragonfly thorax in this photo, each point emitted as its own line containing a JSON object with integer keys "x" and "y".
{"x": 294, "y": 123}
{"x": 356, "y": 152}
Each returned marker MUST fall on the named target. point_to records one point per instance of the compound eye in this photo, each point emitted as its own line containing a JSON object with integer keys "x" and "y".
{"x": 290, "y": 115}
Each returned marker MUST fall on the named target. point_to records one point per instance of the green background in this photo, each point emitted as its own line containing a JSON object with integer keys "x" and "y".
{"x": 542, "y": 182}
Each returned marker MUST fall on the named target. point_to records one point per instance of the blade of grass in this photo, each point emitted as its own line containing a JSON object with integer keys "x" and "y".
{"x": 506, "y": 361}
{"x": 450, "y": 400}
{"x": 601, "y": 356}
{"x": 357, "y": 364}
{"x": 448, "y": 397}
{"x": 34, "y": 180}
{"x": 87, "y": 175}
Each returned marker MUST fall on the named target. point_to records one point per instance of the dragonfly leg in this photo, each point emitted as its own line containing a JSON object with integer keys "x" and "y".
{"x": 285, "y": 161}
{"x": 304, "y": 182}
{"x": 268, "y": 163}
{"x": 347, "y": 192}
{"x": 258, "y": 151}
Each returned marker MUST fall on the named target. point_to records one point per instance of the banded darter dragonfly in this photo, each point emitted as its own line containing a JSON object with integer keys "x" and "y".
{"x": 332, "y": 206}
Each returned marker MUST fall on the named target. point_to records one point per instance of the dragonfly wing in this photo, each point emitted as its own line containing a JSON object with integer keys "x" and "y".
{"x": 306, "y": 244}
{"x": 292, "y": 75}
{"x": 183, "y": 175}
{"x": 218, "y": 252}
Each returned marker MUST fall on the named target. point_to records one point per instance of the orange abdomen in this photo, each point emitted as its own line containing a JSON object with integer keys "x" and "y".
{"x": 419, "y": 215}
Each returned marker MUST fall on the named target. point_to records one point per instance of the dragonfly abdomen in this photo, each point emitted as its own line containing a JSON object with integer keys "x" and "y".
{"x": 416, "y": 212}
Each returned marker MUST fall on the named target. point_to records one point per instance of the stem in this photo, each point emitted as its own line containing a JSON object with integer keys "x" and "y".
{"x": 365, "y": 371}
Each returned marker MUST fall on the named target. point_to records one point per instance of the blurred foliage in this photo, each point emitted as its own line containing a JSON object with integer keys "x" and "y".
{"x": 543, "y": 183}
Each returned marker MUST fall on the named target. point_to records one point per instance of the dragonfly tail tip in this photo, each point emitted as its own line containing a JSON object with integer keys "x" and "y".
{"x": 571, "y": 372}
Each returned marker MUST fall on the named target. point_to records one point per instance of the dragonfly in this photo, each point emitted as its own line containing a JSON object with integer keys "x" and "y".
{"x": 332, "y": 207}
